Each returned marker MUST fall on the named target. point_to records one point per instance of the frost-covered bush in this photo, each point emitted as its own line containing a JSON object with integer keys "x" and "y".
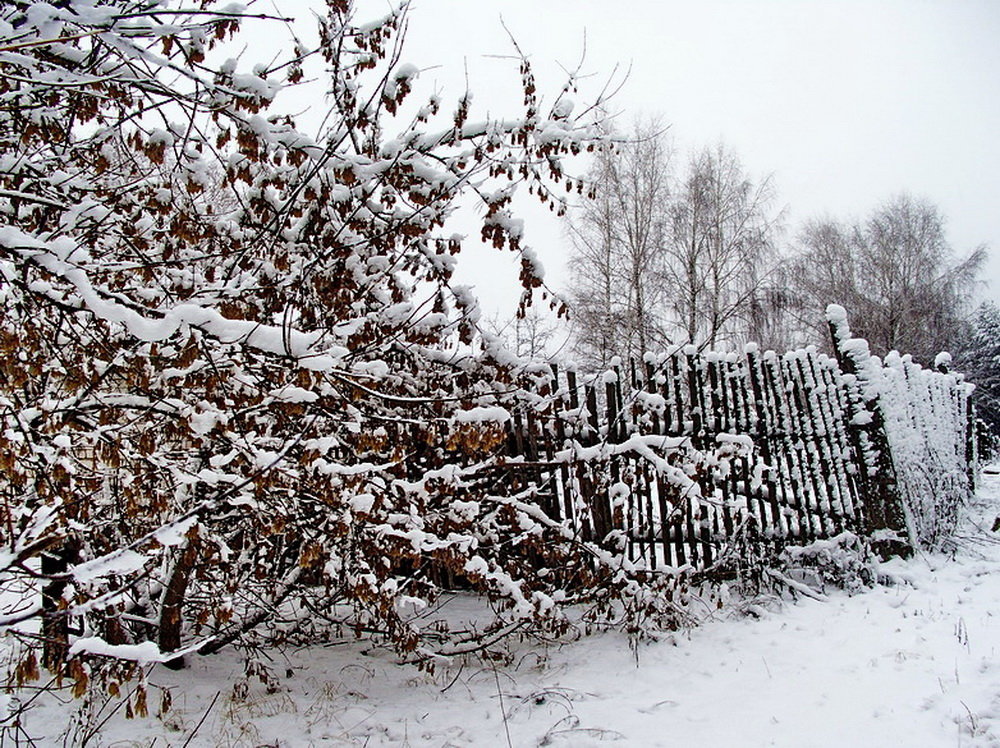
{"x": 238, "y": 385}
{"x": 913, "y": 438}
{"x": 925, "y": 422}
{"x": 844, "y": 561}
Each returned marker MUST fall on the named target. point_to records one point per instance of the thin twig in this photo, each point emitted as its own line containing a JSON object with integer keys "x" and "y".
{"x": 503, "y": 711}
{"x": 202, "y": 720}
{"x": 455, "y": 679}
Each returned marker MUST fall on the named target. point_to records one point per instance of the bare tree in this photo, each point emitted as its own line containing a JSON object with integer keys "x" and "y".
{"x": 618, "y": 237}
{"x": 895, "y": 272}
{"x": 531, "y": 335}
{"x": 598, "y": 314}
{"x": 720, "y": 248}
{"x": 821, "y": 270}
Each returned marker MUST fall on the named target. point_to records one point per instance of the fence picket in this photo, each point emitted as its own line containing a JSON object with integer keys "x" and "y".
{"x": 814, "y": 470}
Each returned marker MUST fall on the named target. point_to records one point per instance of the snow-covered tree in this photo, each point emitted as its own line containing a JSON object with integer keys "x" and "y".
{"x": 980, "y": 362}
{"x": 895, "y": 273}
{"x": 237, "y": 383}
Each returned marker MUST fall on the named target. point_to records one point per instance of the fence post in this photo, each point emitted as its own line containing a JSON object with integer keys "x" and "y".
{"x": 884, "y": 508}
{"x": 764, "y": 440}
{"x": 971, "y": 443}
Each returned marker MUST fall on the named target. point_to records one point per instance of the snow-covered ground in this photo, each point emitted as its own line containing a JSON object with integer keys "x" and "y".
{"x": 909, "y": 664}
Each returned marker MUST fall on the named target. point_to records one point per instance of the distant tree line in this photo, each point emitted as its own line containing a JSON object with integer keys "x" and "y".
{"x": 662, "y": 255}
{"x": 896, "y": 273}
{"x": 671, "y": 252}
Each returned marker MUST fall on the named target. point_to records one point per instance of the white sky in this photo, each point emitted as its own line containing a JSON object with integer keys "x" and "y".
{"x": 844, "y": 102}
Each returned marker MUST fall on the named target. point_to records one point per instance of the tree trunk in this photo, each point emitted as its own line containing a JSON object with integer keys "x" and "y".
{"x": 55, "y": 622}
{"x": 172, "y": 602}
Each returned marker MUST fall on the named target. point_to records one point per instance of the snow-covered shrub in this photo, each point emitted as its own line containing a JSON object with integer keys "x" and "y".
{"x": 240, "y": 396}
{"x": 925, "y": 422}
{"x": 236, "y": 377}
{"x": 914, "y": 438}
{"x": 844, "y": 561}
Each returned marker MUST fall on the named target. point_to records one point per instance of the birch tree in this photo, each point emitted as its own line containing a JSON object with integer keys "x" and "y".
{"x": 618, "y": 237}
{"x": 721, "y": 248}
{"x": 895, "y": 273}
{"x": 657, "y": 259}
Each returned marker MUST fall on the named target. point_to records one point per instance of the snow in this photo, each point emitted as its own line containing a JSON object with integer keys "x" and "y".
{"x": 176, "y": 532}
{"x": 293, "y": 394}
{"x": 362, "y": 503}
{"x": 122, "y": 562}
{"x": 145, "y": 652}
{"x": 562, "y": 109}
{"x": 738, "y": 439}
{"x": 912, "y": 661}
{"x": 483, "y": 414}
{"x": 836, "y": 314}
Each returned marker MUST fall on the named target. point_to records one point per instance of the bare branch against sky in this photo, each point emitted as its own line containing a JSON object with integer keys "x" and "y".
{"x": 844, "y": 102}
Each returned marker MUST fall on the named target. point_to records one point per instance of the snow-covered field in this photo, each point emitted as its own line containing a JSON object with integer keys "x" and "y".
{"x": 914, "y": 663}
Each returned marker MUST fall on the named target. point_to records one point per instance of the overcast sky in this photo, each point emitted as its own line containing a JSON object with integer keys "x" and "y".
{"x": 845, "y": 103}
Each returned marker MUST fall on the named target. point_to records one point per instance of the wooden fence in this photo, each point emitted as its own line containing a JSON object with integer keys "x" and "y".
{"x": 821, "y": 461}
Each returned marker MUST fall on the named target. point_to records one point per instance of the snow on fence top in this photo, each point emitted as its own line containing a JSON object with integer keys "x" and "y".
{"x": 878, "y": 448}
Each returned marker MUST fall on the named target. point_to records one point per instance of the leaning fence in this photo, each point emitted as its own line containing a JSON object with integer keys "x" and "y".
{"x": 802, "y": 446}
